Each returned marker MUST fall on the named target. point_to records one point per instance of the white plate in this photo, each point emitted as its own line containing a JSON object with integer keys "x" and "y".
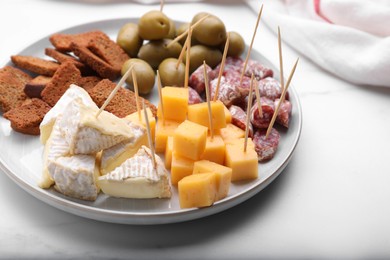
{"x": 21, "y": 160}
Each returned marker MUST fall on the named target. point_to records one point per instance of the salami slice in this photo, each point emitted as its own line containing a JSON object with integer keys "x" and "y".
{"x": 284, "y": 113}
{"x": 266, "y": 148}
{"x": 268, "y": 109}
{"x": 234, "y": 78}
{"x": 228, "y": 91}
{"x": 196, "y": 80}
{"x": 270, "y": 88}
{"x": 239, "y": 119}
{"x": 193, "y": 97}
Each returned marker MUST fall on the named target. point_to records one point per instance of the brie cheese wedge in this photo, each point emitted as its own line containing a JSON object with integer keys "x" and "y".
{"x": 87, "y": 134}
{"x": 71, "y": 93}
{"x": 75, "y": 176}
{"x": 137, "y": 178}
{"x": 114, "y": 156}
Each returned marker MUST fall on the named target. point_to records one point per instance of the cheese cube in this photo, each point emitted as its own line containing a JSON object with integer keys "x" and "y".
{"x": 189, "y": 140}
{"x": 244, "y": 164}
{"x": 224, "y": 175}
{"x": 134, "y": 117}
{"x": 231, "y": 132}
{"x": 199, "y": 114}
{"x": 163, "y": 131}
{"x": 197, "y": 190}
{"x": 180, "y": 168}
{"x": 175, "y": 100}
{"x": 168, "y": 152}
{"x": 215, "y": 150}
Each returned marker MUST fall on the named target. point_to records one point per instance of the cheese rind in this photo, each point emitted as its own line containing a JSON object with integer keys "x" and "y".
{"x": 114, "y": 156}
{"x": 71, "y": 93}
{"x": 197, "y": 190}
{"x": 137, "y": 178}
{"x": 75, "y": 176}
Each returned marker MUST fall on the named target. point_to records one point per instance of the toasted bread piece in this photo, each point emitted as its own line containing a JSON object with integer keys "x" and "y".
{"x": 66, "y": 74}
{"x": 35, "y": 64}
{"x": 62, "y": 42}
{"x": 12, "y": 82}
{"x": 89, "y": 82}
{"x": 26, "y": 118}
{"x": 122, "y": 104}
{"x": 109, "y": 51}
{"x": 34, "y": 87}
{"x": 63, "y": 57}
{"x": 102, "y": 68}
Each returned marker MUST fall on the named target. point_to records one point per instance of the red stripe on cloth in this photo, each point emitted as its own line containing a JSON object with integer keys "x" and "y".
{"x": 317, "y": 9}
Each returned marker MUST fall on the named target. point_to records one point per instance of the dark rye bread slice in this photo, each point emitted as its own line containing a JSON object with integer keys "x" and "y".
{"x": 89, "y": 82}
{"x": 66, "y": 75}
{"x": 102, "y": 68}
{"x": 12, "y": 82}
{"x": 63, "y": 57}
{"x": 27, "y": 118}
{"x": 122, "y": 104}
{"x": 62, "y": 42}
{"x": 34, "y": 87}
{"x": 109, "y": 51}
{"x": 35, "y": 64}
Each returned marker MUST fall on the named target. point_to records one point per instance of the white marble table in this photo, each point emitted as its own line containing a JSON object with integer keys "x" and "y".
{"x": 330, "y": 202}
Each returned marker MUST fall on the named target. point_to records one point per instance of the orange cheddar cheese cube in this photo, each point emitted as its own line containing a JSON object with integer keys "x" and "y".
{"x": 180, "y": 168}
{"x": 228, "y": 115}
{"x": 175, "y": 101}
{"x": 134, "y": 117}
{"x": 163, "y": 131}
{"x": 231, "y": 132}
{"x": 199, "y": 114}
{"x": 197, "y": 190}
{"x": 168, "y": 152}
{"x": 214, "y": 150}
{"x": 224, "y": 175}
{"x": 189, "y": 140}
{"x": 244, "y": 165}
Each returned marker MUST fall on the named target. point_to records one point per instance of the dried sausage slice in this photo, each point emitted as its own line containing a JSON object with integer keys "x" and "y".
{"x": 268, "y": 109}
{"x": 196, "y": 80}
{"x": 228, "y": 91}
{"x": 193, "y": 97}
{"x": 284, "y": 113}
{"x": 266, "y": 148}
{"x": 239, "y": 119}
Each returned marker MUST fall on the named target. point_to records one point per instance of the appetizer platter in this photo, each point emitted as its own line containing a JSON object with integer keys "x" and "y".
{"x": 157, "y": 160}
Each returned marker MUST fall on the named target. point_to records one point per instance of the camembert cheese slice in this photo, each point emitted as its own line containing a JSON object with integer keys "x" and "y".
{"x": 137, "y": 178}
{"x": 73, "y": 91}
{"x": 114, "y": 156}
{"x": 75, "y": 176}
{"x": 87, "y": 134}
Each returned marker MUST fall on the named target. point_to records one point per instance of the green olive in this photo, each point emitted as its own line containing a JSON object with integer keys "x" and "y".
{"x": 236, "y": 45}
{"x": 210, "y": 32}
{"x": 169, "y": 75}
{"x": 200, "y": 53}
{"x": 154, "y": 52}
{"x": 172, "y": 30}
{"x": 144, "y": 73}
{"x": 129, "y": 39}
{"x": 153, "y": 25}
{"x": 181, "y": 29}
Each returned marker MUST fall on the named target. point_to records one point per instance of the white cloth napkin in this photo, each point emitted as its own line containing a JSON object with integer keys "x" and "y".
{"x": 349, "y": 38}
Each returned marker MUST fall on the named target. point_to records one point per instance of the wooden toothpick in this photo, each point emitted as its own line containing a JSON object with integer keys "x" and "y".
{"x": 280, "y": 60}
{"x": 135, "y": 83}
{"x": 161, "y": 5}
{"x": 187, "y": 72}
{"x": 250, "y": 47}
{"x": 181, "y": 36}
{"x": 208, "y": 101}
{"x": 257, "y": 91}
{"x": 151, "y": 145}
{"x": 113, "y": 92}
{"x": 221, "y": 69}
{"x": 248, "y": 110}
{"x": 281, "y": 100}
{"x": 160, "y": 97}
{"x": 183, "y": 50}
